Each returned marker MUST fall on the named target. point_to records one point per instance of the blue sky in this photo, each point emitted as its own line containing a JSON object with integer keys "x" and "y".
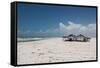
{"x": 49, "y": 20}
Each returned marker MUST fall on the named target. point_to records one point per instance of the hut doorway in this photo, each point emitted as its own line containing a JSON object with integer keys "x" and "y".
{"x": 70, "y": 39}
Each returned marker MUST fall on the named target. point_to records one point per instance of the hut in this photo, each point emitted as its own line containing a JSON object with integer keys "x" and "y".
{"x": 82, "y": 38}
{"x": 70, "y": 37}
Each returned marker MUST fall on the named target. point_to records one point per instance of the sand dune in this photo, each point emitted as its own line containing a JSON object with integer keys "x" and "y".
{"x": 55, "y": 50}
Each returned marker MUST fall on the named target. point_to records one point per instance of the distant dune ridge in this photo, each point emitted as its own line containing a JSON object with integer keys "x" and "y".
{"x": 55, "y": 50}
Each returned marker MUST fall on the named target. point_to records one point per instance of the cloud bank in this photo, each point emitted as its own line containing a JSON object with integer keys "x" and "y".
{"x": 73, "y": 28}
{"x": 64, "y": 29}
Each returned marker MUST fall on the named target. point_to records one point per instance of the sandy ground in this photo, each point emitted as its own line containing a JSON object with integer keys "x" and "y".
{"x": 55, "y": 50}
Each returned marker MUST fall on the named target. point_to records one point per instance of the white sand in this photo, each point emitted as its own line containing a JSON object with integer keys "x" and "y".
{"x": 55, "y": 50}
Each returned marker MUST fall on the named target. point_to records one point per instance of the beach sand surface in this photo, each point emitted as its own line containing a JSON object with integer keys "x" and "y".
{"x": 53, "y": 50}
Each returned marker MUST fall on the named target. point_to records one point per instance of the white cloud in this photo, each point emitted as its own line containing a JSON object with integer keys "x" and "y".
{"x": 70, "y": 28}
{"x": 73, "y": 28}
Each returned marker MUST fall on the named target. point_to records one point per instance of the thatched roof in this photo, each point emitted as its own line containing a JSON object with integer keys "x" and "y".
{"x": 71, "y": 35}
{"x": 74, "y": 36}
{"x": 80, "y": 35}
